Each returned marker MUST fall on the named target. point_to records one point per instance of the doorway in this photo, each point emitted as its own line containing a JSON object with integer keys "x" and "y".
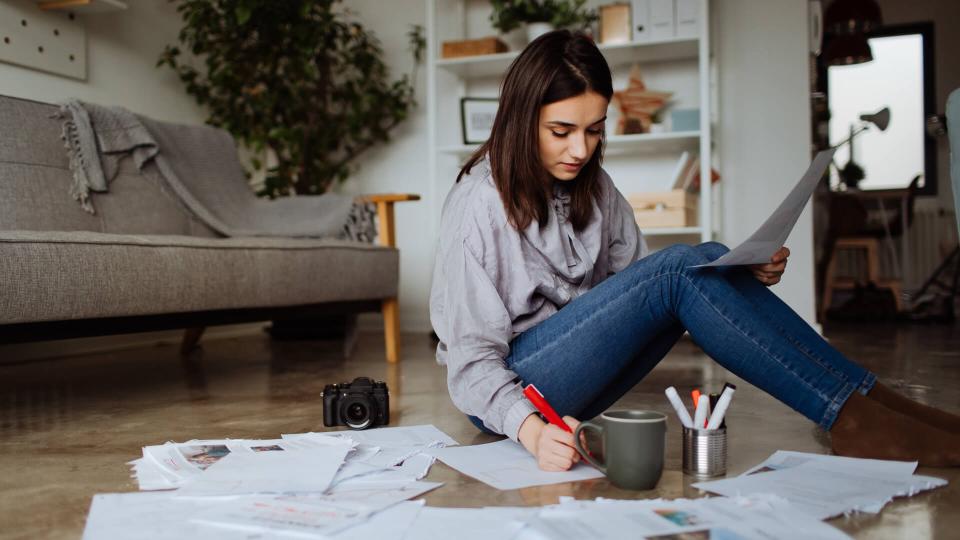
{"x": 877, "y": 114}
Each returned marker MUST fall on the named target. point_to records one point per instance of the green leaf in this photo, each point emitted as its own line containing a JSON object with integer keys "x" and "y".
{"x": 243, "y": 13}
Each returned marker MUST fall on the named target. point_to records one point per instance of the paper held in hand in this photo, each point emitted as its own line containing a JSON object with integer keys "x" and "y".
{"x": 771, "y": 236}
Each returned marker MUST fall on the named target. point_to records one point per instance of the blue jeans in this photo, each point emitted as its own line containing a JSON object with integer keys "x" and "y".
{"x": 594, "y": 350}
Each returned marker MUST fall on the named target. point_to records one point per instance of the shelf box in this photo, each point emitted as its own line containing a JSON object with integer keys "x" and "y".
{"x": 669, "y": 217}
{"x": 675, "y": 198}
{"x": 674, "y": 208}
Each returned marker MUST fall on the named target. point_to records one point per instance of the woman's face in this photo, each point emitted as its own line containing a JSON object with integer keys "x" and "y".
{"x": 570, "y": 131}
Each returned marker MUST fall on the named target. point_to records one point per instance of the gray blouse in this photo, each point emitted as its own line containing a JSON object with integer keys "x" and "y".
{"x": 492, "y": 282}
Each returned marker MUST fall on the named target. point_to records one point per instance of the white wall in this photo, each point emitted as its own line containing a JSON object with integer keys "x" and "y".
{"x": 763, "y": 133}
{"x": 122, "y": 49}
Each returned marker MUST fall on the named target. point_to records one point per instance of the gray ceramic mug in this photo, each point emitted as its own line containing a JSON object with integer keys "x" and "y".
{"x": 633, "y": 444}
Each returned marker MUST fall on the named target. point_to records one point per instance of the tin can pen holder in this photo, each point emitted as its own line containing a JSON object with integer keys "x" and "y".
{"x": 705, "y": 452}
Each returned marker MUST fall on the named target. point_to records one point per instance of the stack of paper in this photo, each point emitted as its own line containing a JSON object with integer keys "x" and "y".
{"x": 172, "y": 465}
{"x": 822, "y": 486}
{"x": 291, "y": 471}
{"x": 303, "y": 484}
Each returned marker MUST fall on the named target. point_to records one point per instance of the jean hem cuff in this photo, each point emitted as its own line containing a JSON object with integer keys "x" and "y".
{"x": 833, "y": 409}
{"x": 867, "y": 383}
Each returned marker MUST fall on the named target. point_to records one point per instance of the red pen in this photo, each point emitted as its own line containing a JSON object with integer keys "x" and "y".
{"x": 545, "y": 409}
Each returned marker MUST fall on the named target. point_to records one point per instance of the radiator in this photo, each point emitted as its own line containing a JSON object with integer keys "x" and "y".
{"x": 931, "y": 237}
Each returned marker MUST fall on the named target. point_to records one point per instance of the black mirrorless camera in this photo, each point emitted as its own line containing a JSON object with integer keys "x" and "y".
{"x": 362, "y": 404}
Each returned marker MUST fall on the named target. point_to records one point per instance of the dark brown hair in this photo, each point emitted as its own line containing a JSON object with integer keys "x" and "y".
{"x": 556, "y": 66}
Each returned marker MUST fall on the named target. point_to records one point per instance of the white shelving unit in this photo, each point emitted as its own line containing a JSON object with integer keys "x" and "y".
{"x": 449, "y": 79}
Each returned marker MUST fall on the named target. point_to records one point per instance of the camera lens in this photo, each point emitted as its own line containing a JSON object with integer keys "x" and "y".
{"x": 356, "y": 414}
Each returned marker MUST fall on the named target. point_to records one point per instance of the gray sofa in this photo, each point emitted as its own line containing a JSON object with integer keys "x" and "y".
{"x": 144, "y": 262}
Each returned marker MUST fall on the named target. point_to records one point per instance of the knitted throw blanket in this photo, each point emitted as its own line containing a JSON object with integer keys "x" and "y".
{"x": 97, "y": 138}
{"x": 199, "y": 165}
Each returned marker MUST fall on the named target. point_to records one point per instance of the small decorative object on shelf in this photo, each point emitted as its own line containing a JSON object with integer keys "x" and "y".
{"x": 684, "y": 119}
{"x": 615, "y": 24}
{"x": 638, "y": 106}
{"x": 476, "y": 117}
{"x": 540, "y": 16}
{"x": 473, "y": 47}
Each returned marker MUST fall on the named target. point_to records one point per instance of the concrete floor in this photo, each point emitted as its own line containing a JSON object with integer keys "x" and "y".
{"x": 68, "y": 426}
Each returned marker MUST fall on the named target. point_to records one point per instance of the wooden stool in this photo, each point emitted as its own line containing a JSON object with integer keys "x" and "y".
{"x": 832, "y": 282}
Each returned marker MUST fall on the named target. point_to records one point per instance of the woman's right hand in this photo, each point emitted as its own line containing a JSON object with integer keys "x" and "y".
{"x": 552, "y": 446}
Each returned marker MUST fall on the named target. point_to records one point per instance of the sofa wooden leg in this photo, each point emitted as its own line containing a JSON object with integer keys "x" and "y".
{"x": 391, "y": 329}
{"x": 387, "y": 236}
{"x": 191, "y": 336}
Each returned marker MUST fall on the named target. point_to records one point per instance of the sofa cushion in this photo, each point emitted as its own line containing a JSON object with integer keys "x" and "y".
{"x": 49, "y": 276}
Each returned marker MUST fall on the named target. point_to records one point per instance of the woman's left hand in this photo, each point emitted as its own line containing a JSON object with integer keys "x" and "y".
{"x": 770, "y": 273}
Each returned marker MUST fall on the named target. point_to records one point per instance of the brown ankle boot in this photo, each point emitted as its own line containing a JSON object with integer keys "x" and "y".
{"x": 929, "y": 415}
{"x": 867, "y": 429}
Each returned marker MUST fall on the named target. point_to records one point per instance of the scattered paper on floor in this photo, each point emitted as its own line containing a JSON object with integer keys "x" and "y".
{"x": 507, "y": 465}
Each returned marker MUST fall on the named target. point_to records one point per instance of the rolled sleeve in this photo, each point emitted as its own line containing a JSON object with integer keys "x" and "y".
{"x": 516, "y": 414}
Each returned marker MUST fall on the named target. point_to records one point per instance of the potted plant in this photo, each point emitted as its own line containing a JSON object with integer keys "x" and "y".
{"x": 540, "y": 16}
{"x": 301, "y": 83}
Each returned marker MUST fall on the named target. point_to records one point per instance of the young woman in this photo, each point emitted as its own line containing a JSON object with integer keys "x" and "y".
{"x": 542, "y": 276}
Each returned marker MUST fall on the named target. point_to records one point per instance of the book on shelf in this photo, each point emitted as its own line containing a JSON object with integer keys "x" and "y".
{"x": 687, "y": 171}
{"x": 676, "y": 179}
{"x": 686, "y": 174}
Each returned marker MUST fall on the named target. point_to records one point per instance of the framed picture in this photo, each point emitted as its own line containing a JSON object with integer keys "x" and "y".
{"x": 476, "y": 117}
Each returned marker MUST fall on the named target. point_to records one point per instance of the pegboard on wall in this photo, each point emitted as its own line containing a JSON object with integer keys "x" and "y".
{"x": 54, "y": 42}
